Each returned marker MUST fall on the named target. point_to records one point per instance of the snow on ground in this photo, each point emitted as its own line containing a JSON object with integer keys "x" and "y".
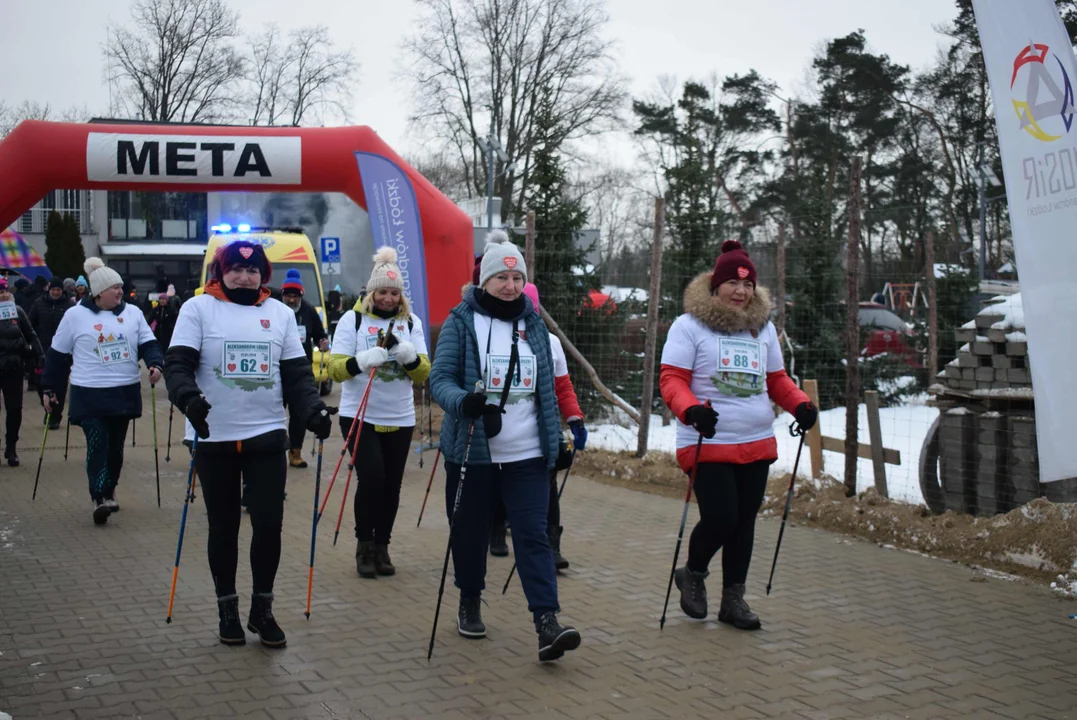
{"x": 4, "y": 715}
{"x": 904, "y": 428}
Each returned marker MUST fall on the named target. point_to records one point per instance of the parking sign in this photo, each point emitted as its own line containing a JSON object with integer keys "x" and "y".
{"x": 330, "y": 255}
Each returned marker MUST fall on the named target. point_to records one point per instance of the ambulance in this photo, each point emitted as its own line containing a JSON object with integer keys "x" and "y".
{"x": 287, "y": 249}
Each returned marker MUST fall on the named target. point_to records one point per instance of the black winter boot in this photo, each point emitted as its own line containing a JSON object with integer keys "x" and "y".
{"x": 262, "y": 623}
{"x": 230, "y": 630}
{"x": 499, "y": 547}
{"x": 469, "y": 619}
{"x": 382, "y": 564}
{"x": 693, "y": 592}
{"x": 735, "y": 610}
{"x": 554, "y": 534}
{"x": 553, "y": 639}
{"x": 101, "y": 512}
{"x": 11, "y": 456}
{"x": 364, "y": 559}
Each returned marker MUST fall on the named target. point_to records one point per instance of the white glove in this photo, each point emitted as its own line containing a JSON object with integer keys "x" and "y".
{"x": 404, "y": 353}
{"x": 371, "y": 358}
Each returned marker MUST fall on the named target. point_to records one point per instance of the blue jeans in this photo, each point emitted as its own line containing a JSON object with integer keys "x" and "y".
{"x": 524, "y": 488}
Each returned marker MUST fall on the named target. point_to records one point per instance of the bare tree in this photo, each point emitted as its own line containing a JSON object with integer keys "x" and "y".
{"x": 443, "y": 171}
{"x": 480, "y": 62}
{"x": 301, "y": 75}
{"x": 177, "y": 62}
{"x": 12, "y": 115}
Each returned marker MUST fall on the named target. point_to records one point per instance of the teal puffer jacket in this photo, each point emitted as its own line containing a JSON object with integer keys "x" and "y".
{"x": 456, "y": 369}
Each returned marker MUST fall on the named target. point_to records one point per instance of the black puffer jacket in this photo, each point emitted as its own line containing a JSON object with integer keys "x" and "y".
{"x": 45, "y": 316}
{"x": 19, "y": 344}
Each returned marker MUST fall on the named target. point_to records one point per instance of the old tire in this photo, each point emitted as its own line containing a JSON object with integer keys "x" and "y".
{"x": 930, "y": 487}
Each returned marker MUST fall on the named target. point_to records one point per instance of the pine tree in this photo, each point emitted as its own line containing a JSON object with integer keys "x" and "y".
{"x": 54, "y": 243}
{"x": 74, "y": 253}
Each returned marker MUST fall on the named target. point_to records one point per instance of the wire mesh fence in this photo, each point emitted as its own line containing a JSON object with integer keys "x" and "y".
{"x": 943, "y": 405}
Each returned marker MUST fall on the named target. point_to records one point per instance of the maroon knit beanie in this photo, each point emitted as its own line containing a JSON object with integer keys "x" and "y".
{"x": 732, "y": 264}
{"x": 241, "y": 252}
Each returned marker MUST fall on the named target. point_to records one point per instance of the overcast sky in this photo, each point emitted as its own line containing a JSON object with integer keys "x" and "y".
{"x": 51, "y": 49}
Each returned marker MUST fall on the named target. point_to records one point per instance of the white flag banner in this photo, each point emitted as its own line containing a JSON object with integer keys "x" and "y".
{"x": 1031, "y": 70}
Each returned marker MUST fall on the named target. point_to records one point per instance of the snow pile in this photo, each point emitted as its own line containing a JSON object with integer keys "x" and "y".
{"x": 4, "y": 715}
{"x": 1066, "y": 585}
{"x": 620, "y": 294}
{"x": 1011, "y": 309}
{"x": 904, "y": 428}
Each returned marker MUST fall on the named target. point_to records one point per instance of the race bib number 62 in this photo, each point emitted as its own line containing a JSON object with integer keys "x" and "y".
{"x": 246, "y": 360}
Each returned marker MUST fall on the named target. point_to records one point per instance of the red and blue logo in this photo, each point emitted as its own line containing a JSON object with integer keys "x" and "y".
{"x": 1042, "y": 93}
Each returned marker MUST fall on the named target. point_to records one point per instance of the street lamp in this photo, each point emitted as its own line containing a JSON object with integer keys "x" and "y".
{"x": 491, "y": 146}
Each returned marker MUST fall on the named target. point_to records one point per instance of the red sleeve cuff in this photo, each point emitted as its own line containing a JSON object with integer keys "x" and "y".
{"x": 675, "y": 385}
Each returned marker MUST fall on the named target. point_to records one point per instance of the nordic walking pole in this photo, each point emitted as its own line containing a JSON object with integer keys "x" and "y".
{"x": 684, "y": 520}
{"x": 156, "y": 464}
{"x": 134, "y": 427}
{"x": 479, "y": 388}
{"x": 422, "y": 413}
{"x": 183, "y": 527}
{"x": 344, "y": 450}
{"x": 314, "y": 525}
{"x": 360, "y": 417}
{"x": 67, "y": 436}
{"x": 168, "y": 450}
{"x": 321, "y": 369}
{"x": 559, "y": 491}
{"x": 428, "y": 485}
{"x": 42, "y": 455}
{"x": 794, "y": 430}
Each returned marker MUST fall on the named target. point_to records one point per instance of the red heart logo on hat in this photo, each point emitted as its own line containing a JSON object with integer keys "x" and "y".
{"x": 98, "y": 327}
{"x": 372, "y": 330}
{"x": 264, "y": 367}
{"x": 231, "y": 367}
{"x": 510, "y": 262}
{"x": 725, "y": 361}
{"x": 391, "y": 274}
{"x": 527, "y": 382}
{"x": 496, "y": 381}
{"x": 743, "y": 272}
{"x": 246, "y": 252}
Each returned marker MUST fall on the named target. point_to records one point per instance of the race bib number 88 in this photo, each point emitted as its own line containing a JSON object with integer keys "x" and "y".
{"x": 740, "y": 356}
{"x": 246, "y": 361}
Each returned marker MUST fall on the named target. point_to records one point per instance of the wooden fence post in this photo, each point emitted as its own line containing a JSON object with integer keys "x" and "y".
{"x": 650, "y": 349}
{"x": 852, "y": 331}
{"x": 875, "y": 436}
{"x": 815, "y": 435}
{"x": 932, "y": 309}
{"x": 529, "y": 246}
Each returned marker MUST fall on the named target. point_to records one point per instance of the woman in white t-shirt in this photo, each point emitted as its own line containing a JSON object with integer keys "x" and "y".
{"x": 496, "y": 336}
{"x": 724, "y": 349}
{"x": 97, "y": 346}
{"x": 382, "y": 444}
{"x": 234, "y": 360}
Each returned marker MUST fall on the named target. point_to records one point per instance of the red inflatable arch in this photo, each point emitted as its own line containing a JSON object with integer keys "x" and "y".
{"x": 41, "y": 156}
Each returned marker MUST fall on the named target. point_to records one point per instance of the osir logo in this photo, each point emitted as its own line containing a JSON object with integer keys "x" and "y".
{"x": 1042, "y": 93}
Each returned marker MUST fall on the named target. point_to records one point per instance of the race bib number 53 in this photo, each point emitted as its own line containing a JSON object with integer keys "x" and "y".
{"x": 246, "y": 361}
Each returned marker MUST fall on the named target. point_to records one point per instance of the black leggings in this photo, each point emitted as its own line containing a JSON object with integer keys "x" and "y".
{"x": 219, "y": 471}
{"x": 11, "y": 389}
{"x": 104, "y": 454}
{"x": 379, "y": 472}
{"x": 729, "y": 497}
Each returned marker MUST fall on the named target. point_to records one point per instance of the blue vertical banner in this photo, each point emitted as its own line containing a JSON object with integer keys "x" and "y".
{"x": 394, "y": 221}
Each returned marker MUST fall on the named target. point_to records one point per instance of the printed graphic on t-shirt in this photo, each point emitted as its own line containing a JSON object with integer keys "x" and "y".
{"x": 9, "y": 310}
{"x": 522, "y": 382}
{"x": 740, "y": 367}
{"x": 245, "y": 365}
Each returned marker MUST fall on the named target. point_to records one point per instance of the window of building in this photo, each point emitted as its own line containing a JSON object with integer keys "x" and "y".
{"x": 170, "y": 216}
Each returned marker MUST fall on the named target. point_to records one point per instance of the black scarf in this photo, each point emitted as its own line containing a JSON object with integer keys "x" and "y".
{"x": 501, "y": 309}
{"x": 383, "y": 314}
{"x": 242, "y": 296}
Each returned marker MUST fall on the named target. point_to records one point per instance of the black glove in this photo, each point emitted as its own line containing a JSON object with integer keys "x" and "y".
{"x": 197, "y": 411}
{"x": 704, "y": 419}
{"x": 491, "y": 420}
{"x": 472, "y": 404}
{"x": 806, "y": 415}
{"x": 352, "y": 366}
{"x": 564, "y": 456}
{"x": 320, "y": 421}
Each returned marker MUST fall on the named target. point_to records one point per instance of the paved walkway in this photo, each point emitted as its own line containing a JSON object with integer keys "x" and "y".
{"x": 850, "y": 631}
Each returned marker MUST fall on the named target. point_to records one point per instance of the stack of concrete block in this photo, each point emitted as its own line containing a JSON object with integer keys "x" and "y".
{"x": 993, "y": 359}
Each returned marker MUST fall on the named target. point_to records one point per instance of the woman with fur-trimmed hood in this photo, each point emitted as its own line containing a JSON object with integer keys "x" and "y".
{"x": 380, "y": 335}
{"x": 725, "y": 350}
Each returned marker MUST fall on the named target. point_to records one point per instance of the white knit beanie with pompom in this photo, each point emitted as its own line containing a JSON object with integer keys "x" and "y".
{"x": 100, "y": 277}
{"x": 386, "y": 273}
{"x": 500, "y": 255}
